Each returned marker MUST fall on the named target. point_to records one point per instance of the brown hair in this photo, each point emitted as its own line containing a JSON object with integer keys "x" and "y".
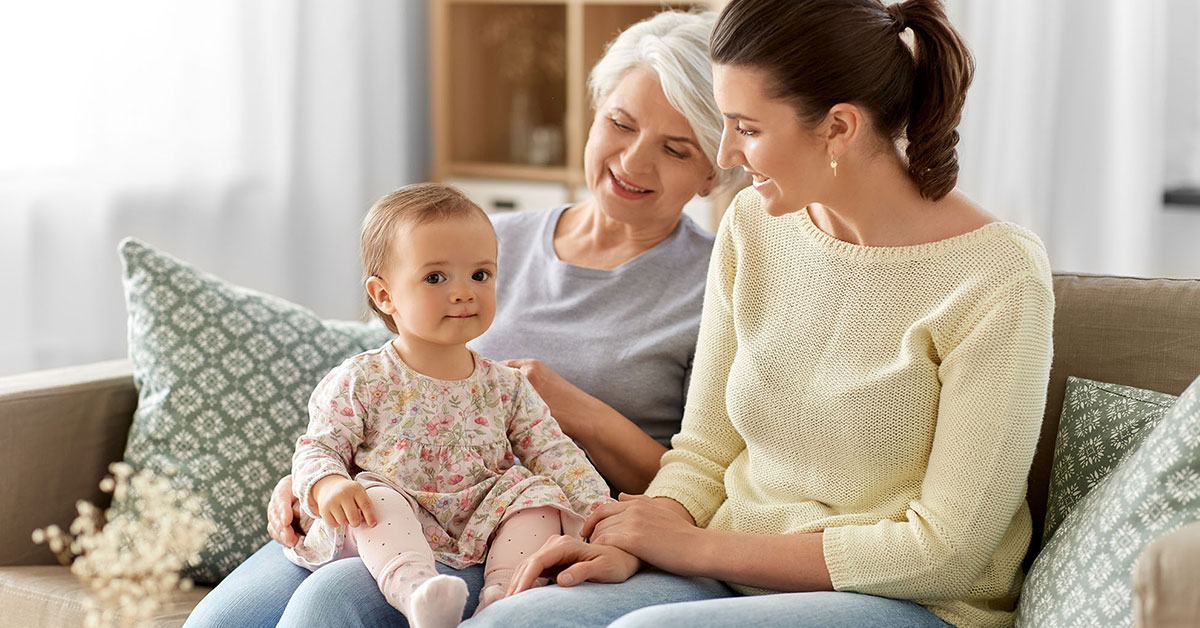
{"x": 824, "y": 52}
{"x": 417, "y": 204}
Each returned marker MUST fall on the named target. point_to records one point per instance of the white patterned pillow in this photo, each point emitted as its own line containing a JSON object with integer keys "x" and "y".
{"x": 1083, "y": 575}
{"x": 223, "y": 376}
{"x": 1101, "y": 424}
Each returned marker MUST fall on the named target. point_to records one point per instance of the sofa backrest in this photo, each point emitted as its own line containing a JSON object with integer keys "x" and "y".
{"x": 1122, "y": 330}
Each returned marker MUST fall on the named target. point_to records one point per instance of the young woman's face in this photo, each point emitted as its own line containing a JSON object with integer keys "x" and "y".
{"x": 765, "y": 136}
{"x": 642, "y": 161}
{"x": 441, "y": 280}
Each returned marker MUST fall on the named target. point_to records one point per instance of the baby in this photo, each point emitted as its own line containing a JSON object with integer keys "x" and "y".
{"x": 458, "y": 458}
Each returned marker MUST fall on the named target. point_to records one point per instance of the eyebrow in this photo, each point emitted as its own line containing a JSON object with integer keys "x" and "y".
{"x": 739, "y": 116}
{"x": 486, "y": 262}
{"x": 674, "y": 138}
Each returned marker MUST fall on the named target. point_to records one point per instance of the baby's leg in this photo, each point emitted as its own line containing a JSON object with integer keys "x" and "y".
{"x": 398, "y": 557}
{"x": 519, "y": 536}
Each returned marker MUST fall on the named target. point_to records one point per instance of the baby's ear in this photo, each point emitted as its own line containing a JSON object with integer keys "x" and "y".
{"x": 377, "y": 289}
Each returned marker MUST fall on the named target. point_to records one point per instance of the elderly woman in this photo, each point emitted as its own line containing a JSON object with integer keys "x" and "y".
{"x": 598, "y": 303}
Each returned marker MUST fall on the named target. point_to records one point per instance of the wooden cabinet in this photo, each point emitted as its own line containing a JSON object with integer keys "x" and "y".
{"x": 509, "y": 81}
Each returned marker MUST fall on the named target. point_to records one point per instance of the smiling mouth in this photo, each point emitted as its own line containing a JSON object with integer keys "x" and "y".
{"x": 757, "y": 180}
{"x": 632, "y": 189}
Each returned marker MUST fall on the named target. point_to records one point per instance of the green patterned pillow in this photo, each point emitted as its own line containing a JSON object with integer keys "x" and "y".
{"x": 1083, "y": 575}
{"x": 1100, "y": 425}
{"x": 223, "y": 376}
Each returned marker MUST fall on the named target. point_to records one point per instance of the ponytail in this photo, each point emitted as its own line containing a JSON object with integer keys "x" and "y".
{"x": 944, "y": 68}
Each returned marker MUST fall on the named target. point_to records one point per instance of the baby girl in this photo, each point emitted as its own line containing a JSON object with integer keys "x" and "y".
{"x": 422, "y": 450}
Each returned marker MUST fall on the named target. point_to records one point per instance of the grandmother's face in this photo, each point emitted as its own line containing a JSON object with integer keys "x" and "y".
{"x": 642, "y": 160}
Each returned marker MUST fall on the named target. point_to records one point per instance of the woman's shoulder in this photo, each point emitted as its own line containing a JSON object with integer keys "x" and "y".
{"x": 522, "y": 221}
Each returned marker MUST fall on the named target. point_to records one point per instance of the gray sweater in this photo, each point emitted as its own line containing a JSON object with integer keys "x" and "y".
{"x": 626, "y": 335}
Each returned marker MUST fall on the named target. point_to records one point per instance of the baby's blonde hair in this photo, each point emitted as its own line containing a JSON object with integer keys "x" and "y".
{"x": 416, "y": 204}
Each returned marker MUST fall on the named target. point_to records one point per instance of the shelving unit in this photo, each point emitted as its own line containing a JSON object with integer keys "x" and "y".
{"x": 509, "y": 78}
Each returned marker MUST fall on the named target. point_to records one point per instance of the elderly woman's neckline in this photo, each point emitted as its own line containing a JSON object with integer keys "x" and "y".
{"x": 584, "y": 237}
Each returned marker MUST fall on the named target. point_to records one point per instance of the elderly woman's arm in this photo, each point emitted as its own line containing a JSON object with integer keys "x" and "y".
{"x": 624, "y": 454}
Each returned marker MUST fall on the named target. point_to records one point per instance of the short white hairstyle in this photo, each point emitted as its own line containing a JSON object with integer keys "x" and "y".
{"x": 673, "y": 45}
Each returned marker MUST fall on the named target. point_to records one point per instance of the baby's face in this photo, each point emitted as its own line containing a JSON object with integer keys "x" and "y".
{"x": 442, "y": 280}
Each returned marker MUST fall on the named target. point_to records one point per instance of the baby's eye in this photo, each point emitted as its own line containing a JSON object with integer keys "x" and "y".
{"x": 481, "y": 275}
{"x": 435, "y": 278}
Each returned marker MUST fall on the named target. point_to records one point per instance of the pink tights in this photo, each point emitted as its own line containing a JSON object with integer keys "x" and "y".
{"x": 399, "y": 558}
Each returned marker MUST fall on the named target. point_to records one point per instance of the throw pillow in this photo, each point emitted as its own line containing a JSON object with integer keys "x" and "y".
{"x": 1100, "y": 425}
{"x": 1083, "y": 575}
{"x": 223, "y": 376}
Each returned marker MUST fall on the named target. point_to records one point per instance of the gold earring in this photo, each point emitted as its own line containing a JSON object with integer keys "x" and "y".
{"x": 833, "y": 164}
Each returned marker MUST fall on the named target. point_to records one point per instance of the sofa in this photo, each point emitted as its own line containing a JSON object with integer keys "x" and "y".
{"x": 60, "y": 429}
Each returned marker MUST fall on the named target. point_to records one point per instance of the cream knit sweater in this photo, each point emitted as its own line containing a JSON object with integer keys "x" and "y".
{"x": 890, "y": 396}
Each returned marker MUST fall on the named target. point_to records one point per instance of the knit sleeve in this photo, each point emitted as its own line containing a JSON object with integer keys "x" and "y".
{"x": 335, "y": 430}
{"x": 993, "y": 393}
{"x": 693, "y": 470}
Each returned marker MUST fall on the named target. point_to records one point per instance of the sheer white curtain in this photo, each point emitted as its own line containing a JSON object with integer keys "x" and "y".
{"x": 1063, "y": 129}
{"x": 246, "y": 137}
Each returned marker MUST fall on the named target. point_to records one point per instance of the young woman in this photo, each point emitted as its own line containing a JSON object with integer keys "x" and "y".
{"x": 872, "y": 363}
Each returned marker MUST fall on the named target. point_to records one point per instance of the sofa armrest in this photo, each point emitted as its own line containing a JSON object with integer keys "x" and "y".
{"x": 1166, "y": 581}
{"x": 59, "y": 430}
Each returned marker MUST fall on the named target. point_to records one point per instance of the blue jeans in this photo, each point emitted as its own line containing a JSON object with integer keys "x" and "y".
{"x": 268, "y": 590}
{"x": 653, "y": 599}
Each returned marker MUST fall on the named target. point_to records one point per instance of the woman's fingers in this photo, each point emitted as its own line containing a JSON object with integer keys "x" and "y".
{"x": 600, "y": 514}
{"x": 558, "y": 550}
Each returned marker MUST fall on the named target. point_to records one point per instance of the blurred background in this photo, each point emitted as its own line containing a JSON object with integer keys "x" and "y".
{"x": 249, "y": 137}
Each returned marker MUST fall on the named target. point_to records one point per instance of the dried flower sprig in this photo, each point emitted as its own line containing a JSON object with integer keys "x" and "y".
{"x": 131, "y": 554}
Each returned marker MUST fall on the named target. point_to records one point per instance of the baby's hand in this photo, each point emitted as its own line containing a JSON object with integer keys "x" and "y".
{"x": 341, "y": 501}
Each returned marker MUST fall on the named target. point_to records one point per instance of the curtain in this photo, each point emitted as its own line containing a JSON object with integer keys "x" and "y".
{"x": 248, "y": 138}
{"x": 1063, "y": 129}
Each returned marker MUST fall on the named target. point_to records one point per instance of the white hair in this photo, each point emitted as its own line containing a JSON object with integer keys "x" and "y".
{"x": 673, "y": 45}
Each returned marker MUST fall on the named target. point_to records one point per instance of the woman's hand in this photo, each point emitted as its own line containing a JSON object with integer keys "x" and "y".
{"x": 283, "y": 514}
{"x": 568, "y": 404}
{"x": 597, "y": 563}
{"x": 658, "y": 530}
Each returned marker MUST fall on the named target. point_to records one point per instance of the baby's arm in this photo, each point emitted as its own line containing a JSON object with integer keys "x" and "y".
{"x": 325, "y": 451}
{"x": 540, "y": 444}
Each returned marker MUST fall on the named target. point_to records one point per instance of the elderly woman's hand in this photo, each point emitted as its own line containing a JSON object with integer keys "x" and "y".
{"x": 283, "y": 514}
{"x": 568, "y": 404}
{"x": 658, "y": 530}
{"x": 597, "y": 563}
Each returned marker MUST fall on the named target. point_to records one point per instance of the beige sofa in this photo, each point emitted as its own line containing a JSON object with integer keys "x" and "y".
{"x": 60, "y": 429}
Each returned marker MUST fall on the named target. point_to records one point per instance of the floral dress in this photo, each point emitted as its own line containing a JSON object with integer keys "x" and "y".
{"x": 465, "y": 453}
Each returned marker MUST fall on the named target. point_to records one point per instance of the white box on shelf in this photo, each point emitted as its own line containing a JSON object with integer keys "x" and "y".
{"x": 495, "y": 195}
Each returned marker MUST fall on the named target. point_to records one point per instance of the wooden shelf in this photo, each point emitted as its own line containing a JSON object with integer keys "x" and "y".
{"x": 492, "y": 170}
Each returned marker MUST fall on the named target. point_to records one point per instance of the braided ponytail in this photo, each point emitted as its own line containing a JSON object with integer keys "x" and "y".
{"x": 944, "y": 68}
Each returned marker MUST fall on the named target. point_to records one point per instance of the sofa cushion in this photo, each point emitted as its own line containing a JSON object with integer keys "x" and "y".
{"x": 1137, "y": 332}
{"x": 223, "y": 376}
{"x": 82, "y": 415}
{"x": 53, "y": 596}
{"x": 1100, "y": 425}
{"x": 1083, "y": 575}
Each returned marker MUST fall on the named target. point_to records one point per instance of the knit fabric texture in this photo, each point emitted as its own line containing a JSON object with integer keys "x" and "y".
{"x": 890, "y": 396}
